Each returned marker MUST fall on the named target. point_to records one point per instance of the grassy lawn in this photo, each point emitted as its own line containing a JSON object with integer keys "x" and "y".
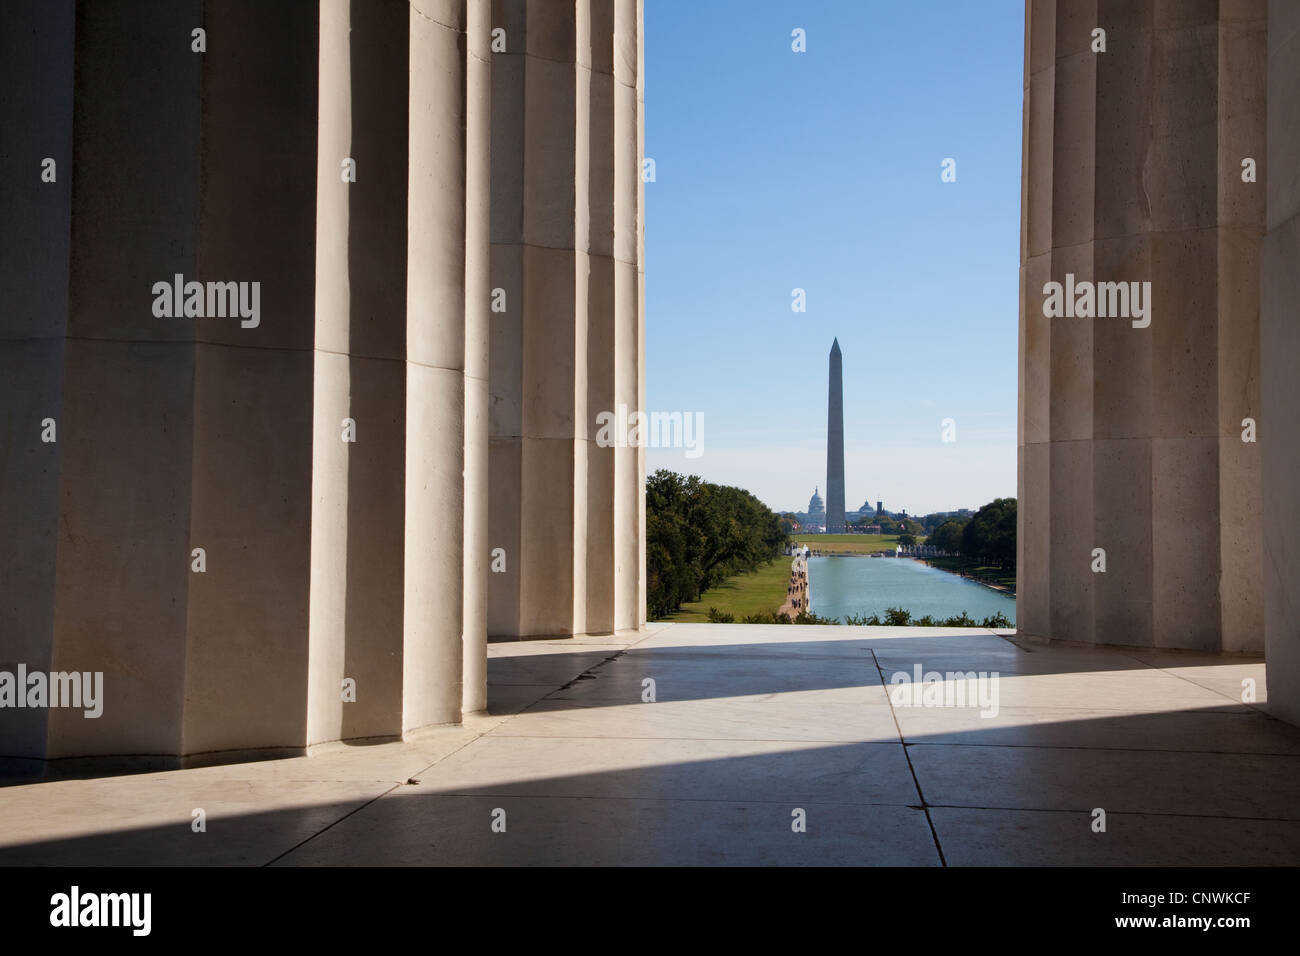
{"x": 760, "y": 590}
{"x": 985, "y": 572}
{"x": 848, "y": 543}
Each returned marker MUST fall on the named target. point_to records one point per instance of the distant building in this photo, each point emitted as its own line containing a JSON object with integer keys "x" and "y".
{"x": 816, "y": 508}
{"x": 880, "y": 507}
{"x": 813, "y": 521}
{"x": 852, "y": 518}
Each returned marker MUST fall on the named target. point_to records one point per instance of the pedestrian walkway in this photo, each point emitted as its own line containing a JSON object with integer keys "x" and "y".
{"x": 798, "y": 598}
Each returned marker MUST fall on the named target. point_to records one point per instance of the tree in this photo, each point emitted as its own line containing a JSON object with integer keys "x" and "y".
{"x": 698, "y": 534}
{"x": 948, "y": 536}
{"x": 888, "y": 525}
{"x": 932, "y": 521}
{"x": 906, "y": 539}
{"x": 991, "y": 534}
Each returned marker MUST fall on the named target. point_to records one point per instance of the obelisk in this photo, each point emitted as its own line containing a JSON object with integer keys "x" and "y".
{"x": 835, "y": 444}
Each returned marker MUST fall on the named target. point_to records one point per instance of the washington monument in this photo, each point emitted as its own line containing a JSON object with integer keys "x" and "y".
{"x": 835, "y": 445}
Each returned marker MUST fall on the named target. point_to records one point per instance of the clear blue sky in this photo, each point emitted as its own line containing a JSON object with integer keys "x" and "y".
{"x": 821, "y": 170}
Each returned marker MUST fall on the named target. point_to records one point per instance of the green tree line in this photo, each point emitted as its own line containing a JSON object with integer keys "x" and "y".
{"x": 989, "y": 536}
{"x": 698, "y": 534}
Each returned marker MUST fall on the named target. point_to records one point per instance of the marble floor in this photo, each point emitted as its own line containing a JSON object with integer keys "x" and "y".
{"x": 746, "y": 744}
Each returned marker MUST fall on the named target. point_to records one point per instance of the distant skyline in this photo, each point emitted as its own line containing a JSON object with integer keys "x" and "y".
{"x": 820, "y": 171}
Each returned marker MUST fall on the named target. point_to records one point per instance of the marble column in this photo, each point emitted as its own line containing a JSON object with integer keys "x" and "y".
{"x": 1279, "y": 424}
{"x": 596, "y": 219}
{"x": 36, "y": 53}
{"x": 126, "y": 427}
{"x": 246, "y": 643}
{"x": 436, "y": 339}
{"x": 635, "y": 616}
{"x": 505, "y": 332}
{"x": 272, "y": 531}
{"x": 359, "y": 432}
{"x": 1130, "y": 437}
{"x": 565, "y": 508}
{"x": 629, "y": 311}
{"x": 478, "y": 290}
{"x": 554, "y": 341}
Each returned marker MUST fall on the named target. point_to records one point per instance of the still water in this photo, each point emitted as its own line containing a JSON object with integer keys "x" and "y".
{"x": 861, "y": 585}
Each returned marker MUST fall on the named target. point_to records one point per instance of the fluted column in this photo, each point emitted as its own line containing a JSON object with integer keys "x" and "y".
{"x": 433, "y": 663}
{"x": 565, "y": 213}
{"x": 1279, "y": 436}
{"x": 184, "y": 443}
{"x": 629, "y": 325}
{"x": 272, "y": 530}
{"x": 505, "y": 332}
{"x": 246, "y": 647}
{"x": 553, "y": 380}
{"x": 596, "y": 212}
{"x": 1243, "y": 132}
{"x": 478, "y": 174}
{"x": 359, "y": 433}
{"x": 126, "y": 427}
{"x": 1130, "y": 437}
{"x": 36, "y": 114}
{"x": 636, "y": 615}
